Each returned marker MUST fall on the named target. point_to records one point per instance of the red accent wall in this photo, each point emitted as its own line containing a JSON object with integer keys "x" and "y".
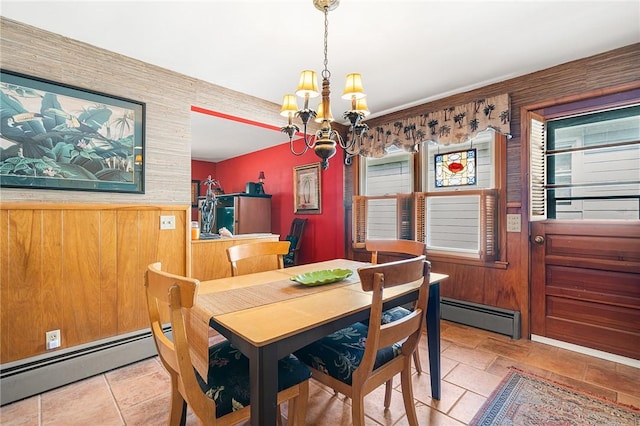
{"x": 200, "y": 170}
{"x": 323, "y": 237}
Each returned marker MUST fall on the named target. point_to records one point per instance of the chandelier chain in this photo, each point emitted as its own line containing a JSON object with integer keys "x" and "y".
{"x": 325, "y": 73}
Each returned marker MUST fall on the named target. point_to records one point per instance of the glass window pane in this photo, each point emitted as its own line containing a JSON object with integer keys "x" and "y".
{"x": 595, "y": 179}
{"x": 382, "y": 219}
{"x": 453, "y": 223}
{"x": 392, "y": 174}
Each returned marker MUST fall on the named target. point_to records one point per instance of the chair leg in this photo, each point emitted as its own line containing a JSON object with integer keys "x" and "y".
{"x": 387, "y": 393}
{"x": 407, "y": 395}
{"x": 178, "y": 413}
{"x": 416, "y": 361}
{"x": 357, "y": 409}
{"x": 298, "y": 406}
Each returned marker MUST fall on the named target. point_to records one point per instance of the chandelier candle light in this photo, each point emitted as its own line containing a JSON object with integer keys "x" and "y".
{"x": 325, "y": 140}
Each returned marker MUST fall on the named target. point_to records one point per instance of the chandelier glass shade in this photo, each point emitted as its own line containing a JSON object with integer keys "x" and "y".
{"x": 325, "y": 141}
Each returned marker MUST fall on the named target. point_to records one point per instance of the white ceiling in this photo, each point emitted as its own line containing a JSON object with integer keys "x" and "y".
{"x": 408, "y": 52}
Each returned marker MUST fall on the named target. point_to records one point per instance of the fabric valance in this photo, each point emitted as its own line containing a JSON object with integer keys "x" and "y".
{"x": 451, "y": 125}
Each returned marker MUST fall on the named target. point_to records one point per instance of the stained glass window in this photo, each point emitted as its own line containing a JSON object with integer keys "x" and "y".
{"x": 456, "y": 168}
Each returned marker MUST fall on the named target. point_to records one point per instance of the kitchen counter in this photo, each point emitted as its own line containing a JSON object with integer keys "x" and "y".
{"x": 209, "y": 257}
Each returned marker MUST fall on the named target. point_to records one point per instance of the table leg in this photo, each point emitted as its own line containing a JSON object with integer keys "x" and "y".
{"x": 433, "y": 339}
{"x": 263, "y": 370}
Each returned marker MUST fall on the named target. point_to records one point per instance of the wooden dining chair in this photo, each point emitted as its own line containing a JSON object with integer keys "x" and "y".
{"x": 241, "y": 256}
{"x": 215, "y": 384}
{"x": 357, "y": 359}
{"x": 409, "y": 248}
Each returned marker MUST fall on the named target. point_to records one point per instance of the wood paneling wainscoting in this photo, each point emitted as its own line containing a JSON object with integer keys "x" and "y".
{"x": 80, "y": 268}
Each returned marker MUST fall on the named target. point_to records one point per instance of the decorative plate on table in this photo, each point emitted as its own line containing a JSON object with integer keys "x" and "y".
{"x": 322, "y": 277}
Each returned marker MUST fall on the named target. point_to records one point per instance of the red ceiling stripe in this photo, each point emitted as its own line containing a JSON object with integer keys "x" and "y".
{"x": 238, "y": 119}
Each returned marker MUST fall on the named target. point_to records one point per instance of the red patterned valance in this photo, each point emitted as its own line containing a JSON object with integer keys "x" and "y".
{"x": 451, "y": 125}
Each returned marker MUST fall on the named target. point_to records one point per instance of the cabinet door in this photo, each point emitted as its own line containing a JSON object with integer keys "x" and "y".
{"x": 253, "y": 215}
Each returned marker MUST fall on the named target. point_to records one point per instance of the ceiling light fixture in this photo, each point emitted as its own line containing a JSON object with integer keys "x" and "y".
{"x": 324, "y": 143}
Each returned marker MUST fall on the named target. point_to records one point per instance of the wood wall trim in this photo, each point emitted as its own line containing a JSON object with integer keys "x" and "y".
{"x": 87, "y": 206}
{"x": 582, "y": 96}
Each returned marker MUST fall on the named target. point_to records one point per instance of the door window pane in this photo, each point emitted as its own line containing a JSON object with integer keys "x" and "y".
{"x": 594, "y": 166}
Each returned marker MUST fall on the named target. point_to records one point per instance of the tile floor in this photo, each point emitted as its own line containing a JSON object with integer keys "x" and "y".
{"x": 473, "y": 364}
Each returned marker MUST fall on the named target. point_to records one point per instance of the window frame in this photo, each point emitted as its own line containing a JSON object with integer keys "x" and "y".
{"x": 492, "y": 205}
{"x": 413, "y": 209}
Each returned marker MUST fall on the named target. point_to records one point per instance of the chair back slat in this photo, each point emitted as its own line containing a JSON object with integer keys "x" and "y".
{"x": 395, "y": 273}
{"x": 240, "y": 252}
{"x": 408, "y": 247}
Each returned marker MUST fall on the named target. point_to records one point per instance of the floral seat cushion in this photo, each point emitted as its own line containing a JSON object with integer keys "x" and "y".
{"x": 228, "y": 378}
{"x": 391, "y": 315}
{"x": 394, "y": 314}
{"x": 340, "y": 353}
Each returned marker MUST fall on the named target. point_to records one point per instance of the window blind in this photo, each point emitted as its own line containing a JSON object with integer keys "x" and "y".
{"x": 537, "y": 168}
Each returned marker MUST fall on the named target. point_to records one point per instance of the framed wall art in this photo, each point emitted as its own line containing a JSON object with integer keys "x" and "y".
{"x": 195, "y": 192}
{"x": 55, "y": 136}
{"x": 307, "y": 189}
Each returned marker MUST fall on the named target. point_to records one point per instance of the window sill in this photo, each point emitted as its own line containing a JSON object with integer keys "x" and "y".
{"x": 362, "y": 254}
{"x": 459, "y": 260}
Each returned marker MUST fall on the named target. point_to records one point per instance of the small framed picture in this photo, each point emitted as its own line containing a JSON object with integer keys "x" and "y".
{"x": 195, "y": 192}
{"x": 307, "y": 189}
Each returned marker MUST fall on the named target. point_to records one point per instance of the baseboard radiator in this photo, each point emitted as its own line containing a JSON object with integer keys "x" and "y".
{"x": 32, "y": 376}
{"x": 498, "y": 320}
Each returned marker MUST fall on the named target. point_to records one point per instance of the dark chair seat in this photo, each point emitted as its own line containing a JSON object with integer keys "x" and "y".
{"x": 228, "y": 377}
{"x": 340, "y": 353}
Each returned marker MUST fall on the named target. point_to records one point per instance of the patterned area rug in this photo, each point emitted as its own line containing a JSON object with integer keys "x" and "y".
{"x": 524, "y": 399}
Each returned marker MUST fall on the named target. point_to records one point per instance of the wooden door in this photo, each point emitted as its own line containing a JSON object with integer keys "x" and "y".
{"x": 585, "y": 284}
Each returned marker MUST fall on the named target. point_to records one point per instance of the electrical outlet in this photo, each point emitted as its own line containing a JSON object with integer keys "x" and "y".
{"x": 167, "y": 222}
{"x": 53, "y": 339}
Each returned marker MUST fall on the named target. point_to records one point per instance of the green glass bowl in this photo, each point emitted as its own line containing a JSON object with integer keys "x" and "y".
{"x": 326, "y": 276}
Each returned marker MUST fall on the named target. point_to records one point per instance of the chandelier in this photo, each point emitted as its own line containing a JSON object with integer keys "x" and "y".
{"x": 325, "y": 140}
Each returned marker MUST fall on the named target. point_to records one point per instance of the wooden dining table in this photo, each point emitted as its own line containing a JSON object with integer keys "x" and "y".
{"x": 267, "y": 316}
